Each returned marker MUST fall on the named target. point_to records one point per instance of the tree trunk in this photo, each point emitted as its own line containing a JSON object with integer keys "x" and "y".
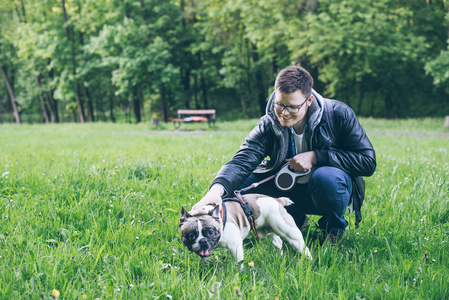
{"x": 11, "y": 96}
{"x": 89, "y": 100}
{"x": 79, "y": 103}
{"x": 54, "y": 112}
{"x": 203, "y": 83}
{"x": 359, "y": 95}
{"x": 53, "y": 107}
{"x": 311, "y": 6}
{"x": 45, "y": 107}
{"x": 163, "y": 104}
{"x": 398, "y": 108}
{"x": 78, "y": 99}
{"x": 49, "y": 108}
{"x": 111, "y": 108}
{"x": 144, "y": 19}
{"x": 195, "y": 91}
{"x": 185, "y": 78}
{"x": 242, "y": 102}
{"x": 273, "y": 69}
{"x": 18, "y": 13}
{"x": 90, "y": 104}
{"x": 23, "y": 11}
{"x": 204, "y": 91}
{"x": 142, "y": 107}
{"x": 136, "y": 105}
{"x": 387, "y": 102}
{"x": 260, "y": 86}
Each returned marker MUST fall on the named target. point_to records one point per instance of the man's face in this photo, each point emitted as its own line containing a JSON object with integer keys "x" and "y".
{"x": 295, "y": 99}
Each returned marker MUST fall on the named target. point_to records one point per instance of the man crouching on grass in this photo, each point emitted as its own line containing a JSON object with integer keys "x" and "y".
{"x": 311, "y": 133}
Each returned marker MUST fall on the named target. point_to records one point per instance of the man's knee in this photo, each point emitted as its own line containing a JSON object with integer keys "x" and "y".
{"x": 329, "y": 185}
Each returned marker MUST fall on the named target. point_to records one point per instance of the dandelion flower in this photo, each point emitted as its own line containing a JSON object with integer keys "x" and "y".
{"x": 251, "y": 264}
{"x": 84, "y": 296}
{"x": 238, "y": 293}
{"x": 55, "y": 293}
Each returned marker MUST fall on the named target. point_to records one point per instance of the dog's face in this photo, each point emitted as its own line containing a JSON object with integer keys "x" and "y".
{"x": 201, "y": 231}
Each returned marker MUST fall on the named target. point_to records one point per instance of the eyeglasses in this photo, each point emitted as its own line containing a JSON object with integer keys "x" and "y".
{"x": 290, "y": 109}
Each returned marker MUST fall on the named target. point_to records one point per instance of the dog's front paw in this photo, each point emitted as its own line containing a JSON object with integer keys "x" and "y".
{"x": 242, "y": 267}
{"x": 307, "y": 254}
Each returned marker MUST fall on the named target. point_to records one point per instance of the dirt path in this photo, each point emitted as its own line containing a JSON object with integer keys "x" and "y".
{"x": 395, "y": 133}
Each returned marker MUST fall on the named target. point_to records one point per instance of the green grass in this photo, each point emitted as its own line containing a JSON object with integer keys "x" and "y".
{"x": 93, "y": 210}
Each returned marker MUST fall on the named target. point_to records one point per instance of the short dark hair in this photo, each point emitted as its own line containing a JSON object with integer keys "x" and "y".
{"x": 294, "y": 78}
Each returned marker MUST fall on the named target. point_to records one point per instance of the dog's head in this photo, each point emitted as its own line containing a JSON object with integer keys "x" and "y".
{"x": 201, "y": 230}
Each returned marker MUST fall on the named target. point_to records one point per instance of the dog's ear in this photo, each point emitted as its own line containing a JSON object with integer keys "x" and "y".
{"x": 184, "y": 216}
{"x": 215, "y": 213}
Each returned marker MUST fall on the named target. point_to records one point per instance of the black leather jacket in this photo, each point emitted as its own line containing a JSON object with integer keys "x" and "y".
{"x": 343, "y": 144}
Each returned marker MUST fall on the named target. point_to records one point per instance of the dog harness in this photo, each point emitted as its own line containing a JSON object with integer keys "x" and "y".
{"x": 248, "y": 211}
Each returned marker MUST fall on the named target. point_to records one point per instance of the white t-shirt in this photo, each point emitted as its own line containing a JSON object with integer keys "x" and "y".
{"x": 300, "y": 147}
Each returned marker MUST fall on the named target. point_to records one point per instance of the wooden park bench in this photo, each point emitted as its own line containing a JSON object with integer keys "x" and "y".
{"x": 193, "y": 116}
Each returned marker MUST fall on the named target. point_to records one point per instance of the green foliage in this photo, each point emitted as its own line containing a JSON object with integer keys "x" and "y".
{"x": 362, "y": 47}
{"x": 104, "y": 58}
{"x": 439, "y": 69}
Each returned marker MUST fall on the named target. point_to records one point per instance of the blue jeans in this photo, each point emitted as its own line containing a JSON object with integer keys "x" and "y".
{"x": 326, "y": 194}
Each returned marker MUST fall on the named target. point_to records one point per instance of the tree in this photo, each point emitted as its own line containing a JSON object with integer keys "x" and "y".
{"x": 6, "y": 57}
{"x": 438, "y": 68}
{"x": 361, "y": 48}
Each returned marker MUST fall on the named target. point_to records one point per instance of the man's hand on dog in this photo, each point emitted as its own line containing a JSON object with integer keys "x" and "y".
{"x": 213, "y": 196}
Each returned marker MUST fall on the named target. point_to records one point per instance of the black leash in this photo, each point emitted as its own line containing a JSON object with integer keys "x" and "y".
{"x": 248, "y": 211}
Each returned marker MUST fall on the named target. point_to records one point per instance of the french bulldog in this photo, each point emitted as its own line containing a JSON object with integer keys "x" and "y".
{"x": 202, "y": 229}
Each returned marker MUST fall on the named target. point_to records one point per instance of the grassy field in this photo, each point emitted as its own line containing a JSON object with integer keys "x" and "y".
{"x": 92, "y": 212}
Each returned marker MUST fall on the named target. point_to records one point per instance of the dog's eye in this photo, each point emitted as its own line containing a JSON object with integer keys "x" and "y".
{"x": 210, "y": 231}
{"x": 191, "y": 236}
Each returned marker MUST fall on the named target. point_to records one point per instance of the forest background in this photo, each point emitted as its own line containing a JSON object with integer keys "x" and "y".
{"x": 133, "y": 60}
